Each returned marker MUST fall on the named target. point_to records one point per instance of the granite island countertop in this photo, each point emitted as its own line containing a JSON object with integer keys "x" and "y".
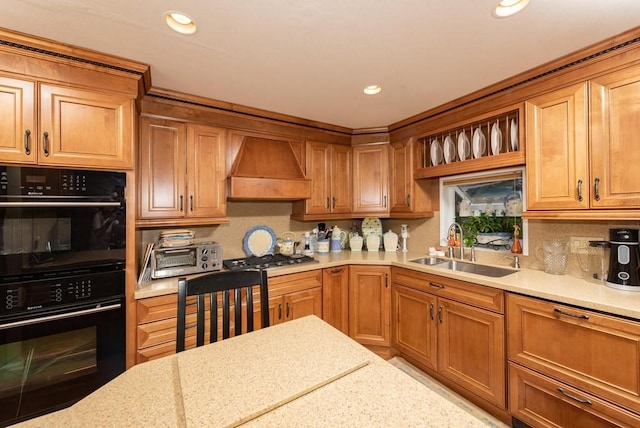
{"x": 536, "y": 283}
{"x": 300, "y": 373}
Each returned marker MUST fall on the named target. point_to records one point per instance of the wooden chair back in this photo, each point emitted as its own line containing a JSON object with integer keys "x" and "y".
{"x": 224, "y": 283}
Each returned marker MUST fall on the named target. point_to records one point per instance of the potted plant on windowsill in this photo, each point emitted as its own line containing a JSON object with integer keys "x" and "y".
{"x": 488, "y": 229}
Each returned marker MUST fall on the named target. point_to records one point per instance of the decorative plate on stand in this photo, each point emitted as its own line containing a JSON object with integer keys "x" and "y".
{"x": 259, "y": 241}
{"x": 371, "y": 225}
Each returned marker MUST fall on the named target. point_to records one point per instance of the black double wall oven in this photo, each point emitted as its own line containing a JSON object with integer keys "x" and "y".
{"x": 62, "y": 283}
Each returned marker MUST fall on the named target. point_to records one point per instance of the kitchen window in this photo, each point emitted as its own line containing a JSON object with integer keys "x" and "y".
{"x": 487, "y": 205}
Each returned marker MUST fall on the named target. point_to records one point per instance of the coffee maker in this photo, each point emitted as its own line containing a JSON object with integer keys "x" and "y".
{"x": 624, "y": 259}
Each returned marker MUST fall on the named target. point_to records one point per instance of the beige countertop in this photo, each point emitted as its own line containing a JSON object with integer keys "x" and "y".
{"x": 560, "y": 288}
{"x": 300, "y": 373}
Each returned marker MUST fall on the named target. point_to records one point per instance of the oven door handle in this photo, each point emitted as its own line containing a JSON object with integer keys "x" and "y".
{"x": 59, "y": 316}
{"x": 45, "y": 204}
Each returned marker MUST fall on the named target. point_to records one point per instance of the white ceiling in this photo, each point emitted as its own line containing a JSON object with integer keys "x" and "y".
{"x": 312, "y": 58}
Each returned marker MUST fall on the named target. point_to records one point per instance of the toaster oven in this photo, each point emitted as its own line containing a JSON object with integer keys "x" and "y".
{"x": 197, "y": 258}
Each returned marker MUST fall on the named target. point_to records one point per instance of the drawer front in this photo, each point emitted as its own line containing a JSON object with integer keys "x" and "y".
{"x": 543, "y": 402}
{"x": 279, "y": 285}
{"x": 480, "y": 296}
{"x": 157, "y": 308}
{"x": 591, "y": 351}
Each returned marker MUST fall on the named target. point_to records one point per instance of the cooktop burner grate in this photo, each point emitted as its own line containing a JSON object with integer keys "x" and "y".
{"x": 266, "y": 262}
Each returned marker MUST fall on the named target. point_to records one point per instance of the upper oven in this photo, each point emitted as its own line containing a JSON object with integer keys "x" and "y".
{"x": 57, "y": 219}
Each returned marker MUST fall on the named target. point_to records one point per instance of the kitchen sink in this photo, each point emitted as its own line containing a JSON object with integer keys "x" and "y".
{"x": 462, "y": 266}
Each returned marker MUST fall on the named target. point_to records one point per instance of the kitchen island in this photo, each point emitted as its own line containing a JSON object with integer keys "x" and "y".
{"x": 300, "y": 373}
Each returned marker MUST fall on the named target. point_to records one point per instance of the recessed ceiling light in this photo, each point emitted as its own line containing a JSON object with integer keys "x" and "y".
{"x": 372, "y": 89}
{"x": 180, "y": 22}
{"x": 508, "y": 8}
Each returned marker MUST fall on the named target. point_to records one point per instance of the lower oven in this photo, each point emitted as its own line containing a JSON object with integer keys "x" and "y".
{"x": 62, "y": 336}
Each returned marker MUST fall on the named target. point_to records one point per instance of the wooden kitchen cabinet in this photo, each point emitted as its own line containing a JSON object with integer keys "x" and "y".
{"x": 104, "y": 138}
{"x": 410, "y": 198}
{"x": 452, "y": 328}
{"x": 157, "y": 322}
{"x": 335, "y": 297}
{"x": 370, "y": 304}
{"x": 414, "y": 328}
{"x": 181, "y": 172}
{"x": 579, "y": 140}
{"x": 371, "y": 179}
{"x": 591, "y": 353}
{"x": 295, "y": 295}
{"x": 615, "y": 130}
{"x": 544, "y": 402}
{"x": 329, "y": 168}
{"x": 557, "y": 153}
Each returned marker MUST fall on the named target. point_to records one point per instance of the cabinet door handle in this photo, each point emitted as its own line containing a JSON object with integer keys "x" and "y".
{"x": 287, "y": 314}
{"x": 27, "y": 142}
{"x": 408, "y": 200}
{"x": 45, "y": 143}
{"x": 181, "y": 202}
{"x": 328, "y": 203}
{"x": 384, "y": 201}
{"x": 191, "y": 202}
{"x": 581, "y": 316}
{"x": 386, "y": 280}
{"x": 338, "y": 270}
{"x": 431, "y": 311}
{"x": 440, "y": 314}
{"x": 596, "y": 188}
{"x": 436, "y": 285}
{"x": 580, "y": 198}
{"x": 573, "y": 397}
{"x": 279, "y": 311}
{"x": 334, "y": 202}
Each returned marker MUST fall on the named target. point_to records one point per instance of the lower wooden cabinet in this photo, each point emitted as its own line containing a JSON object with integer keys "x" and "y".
{"x": 592, "y": 353}
{"x": 541, "y": 401}
{"x": 295, "y": 305}
{"x": 369, "y": 304}
{"x": 290, "y": 297}
{"x": 335, "y": 297}
{"x": 295, "y": 295}
{"x": 460, "y": 337}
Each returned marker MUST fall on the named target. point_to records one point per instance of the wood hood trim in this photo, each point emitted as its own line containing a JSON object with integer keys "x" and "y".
{"x": 267, "y": 169}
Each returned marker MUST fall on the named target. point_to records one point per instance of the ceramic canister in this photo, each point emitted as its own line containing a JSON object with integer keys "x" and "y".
{"x": 373, "y": 242}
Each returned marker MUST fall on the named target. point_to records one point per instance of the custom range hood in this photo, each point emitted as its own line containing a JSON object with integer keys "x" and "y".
{"x": 266, "y": 169}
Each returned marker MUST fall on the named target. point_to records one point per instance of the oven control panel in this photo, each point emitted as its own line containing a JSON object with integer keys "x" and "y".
{"x": 28, "y": 296}
{"x": 42, "y": 182}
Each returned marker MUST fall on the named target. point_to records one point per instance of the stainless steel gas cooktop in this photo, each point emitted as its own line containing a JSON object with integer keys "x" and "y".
{"x": 267, "y": 261}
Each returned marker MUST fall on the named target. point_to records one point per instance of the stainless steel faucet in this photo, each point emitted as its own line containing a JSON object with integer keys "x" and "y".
{"x": 453, "y": 226}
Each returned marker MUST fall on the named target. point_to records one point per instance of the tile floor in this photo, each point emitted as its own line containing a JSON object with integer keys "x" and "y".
{"x": 416, "y": 373}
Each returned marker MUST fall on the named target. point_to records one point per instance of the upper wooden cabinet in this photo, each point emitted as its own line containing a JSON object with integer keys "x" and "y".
{"x": 615, "y": 131}
{"x": 557, "y": 155}
{"x": 76, "y": 127}
{"x": 580, "y": 141}
{"x": 181, "y": 173}
{"x": 329, "y": 168}
{"x": 371, "y": 179}
{"x": 410, "y": 198}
